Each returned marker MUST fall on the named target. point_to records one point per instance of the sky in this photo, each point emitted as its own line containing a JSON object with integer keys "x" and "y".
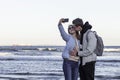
{"x": 34, "y": 22}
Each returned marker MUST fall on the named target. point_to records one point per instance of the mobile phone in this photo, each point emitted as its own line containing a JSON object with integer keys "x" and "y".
{"x": 65, "y": 20}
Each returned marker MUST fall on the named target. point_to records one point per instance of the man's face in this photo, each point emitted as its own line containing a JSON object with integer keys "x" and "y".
{"x": 78, "y": 28}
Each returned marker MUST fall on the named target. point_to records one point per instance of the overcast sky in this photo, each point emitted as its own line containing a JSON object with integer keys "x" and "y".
{"x": 34, "y": 22}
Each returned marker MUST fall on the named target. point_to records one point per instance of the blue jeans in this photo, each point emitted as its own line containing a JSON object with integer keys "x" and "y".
{"x": 70, "y": 69}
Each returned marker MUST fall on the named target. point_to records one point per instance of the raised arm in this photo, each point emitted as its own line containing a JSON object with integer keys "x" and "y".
{"x": 64, "y": 35}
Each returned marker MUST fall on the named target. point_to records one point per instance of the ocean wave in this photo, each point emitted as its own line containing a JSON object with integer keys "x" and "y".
{"x": 50, "y": 48}
{"x": 112, "y": 50}
{"x": 57, "y": 58}
{"x": 42, "y": 58}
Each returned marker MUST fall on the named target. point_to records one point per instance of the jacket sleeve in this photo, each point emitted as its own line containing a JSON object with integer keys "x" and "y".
{"x": 64, "y": 35}
{"x": 91, "y": 45}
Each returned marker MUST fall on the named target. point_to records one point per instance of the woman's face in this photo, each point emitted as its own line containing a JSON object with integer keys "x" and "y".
{"x": 71, "y": 29}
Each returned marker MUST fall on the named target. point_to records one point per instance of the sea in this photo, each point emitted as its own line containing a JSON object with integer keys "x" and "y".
{"x": 45, "y": 63}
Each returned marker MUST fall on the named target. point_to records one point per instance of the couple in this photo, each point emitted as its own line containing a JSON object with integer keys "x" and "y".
{"x": 78, "y": 55}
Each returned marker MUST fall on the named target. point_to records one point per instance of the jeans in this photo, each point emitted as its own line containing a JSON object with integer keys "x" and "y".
{"x": 70, "y": 69}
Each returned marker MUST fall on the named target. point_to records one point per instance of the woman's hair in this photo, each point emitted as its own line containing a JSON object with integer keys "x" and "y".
{"x": 77, "y": 35}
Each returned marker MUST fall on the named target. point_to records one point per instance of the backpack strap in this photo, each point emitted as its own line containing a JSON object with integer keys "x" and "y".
{"x": 87, "y": 35}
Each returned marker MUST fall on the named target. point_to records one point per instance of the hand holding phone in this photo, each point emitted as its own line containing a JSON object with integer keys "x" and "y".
{"x": 65, "y": 20}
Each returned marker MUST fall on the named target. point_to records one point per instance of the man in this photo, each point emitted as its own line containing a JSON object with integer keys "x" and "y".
{"x": 88, "y": 44}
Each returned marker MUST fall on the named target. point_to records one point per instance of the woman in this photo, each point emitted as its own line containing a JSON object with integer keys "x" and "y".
{"x": 70, "y": 62}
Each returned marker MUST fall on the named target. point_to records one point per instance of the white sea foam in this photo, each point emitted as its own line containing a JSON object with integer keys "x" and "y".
{"x": 5, "y": 53}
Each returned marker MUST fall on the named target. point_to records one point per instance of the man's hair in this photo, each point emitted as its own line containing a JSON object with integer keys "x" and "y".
{"x": 78, "y": 22}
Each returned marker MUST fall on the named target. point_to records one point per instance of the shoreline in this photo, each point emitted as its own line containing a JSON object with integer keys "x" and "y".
{"x": 48, "y": 77}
